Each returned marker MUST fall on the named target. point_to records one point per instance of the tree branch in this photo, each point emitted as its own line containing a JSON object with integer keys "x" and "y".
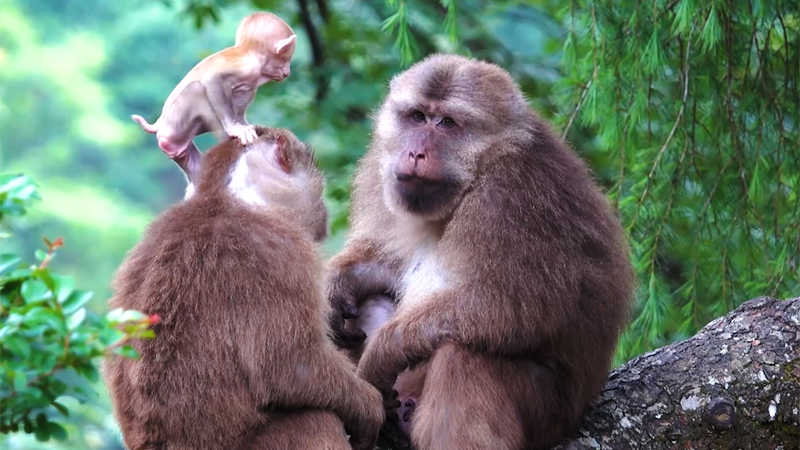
{"x": 735, "y": 384}
{"x": 317, "y": 49}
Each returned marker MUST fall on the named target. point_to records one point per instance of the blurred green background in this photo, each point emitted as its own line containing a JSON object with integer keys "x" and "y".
{"x": 705, "y": 174}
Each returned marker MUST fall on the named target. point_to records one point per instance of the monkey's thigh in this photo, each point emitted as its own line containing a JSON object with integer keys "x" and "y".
{"x": 474, "y": 401}
{"x": 312, "y": 430}
{"x": 189, "y": 115}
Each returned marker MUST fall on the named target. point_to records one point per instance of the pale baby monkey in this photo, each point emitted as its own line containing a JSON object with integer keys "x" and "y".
{"x": 214, "y": 95}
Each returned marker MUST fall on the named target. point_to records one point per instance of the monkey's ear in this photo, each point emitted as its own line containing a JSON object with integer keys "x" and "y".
{"x": 285, "y": 44}
{"x": 282, "y": 153}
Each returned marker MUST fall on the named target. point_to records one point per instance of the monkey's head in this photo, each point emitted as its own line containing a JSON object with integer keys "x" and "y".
{"x": 277, "y": 171}
{"x": 439, "y": 117}
{"x": 270, "y": 36}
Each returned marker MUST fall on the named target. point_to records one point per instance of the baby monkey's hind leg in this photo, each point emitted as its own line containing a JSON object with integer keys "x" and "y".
{"x": 409, "y": 387}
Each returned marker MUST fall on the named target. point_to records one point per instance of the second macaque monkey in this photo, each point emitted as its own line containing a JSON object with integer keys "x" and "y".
{"x": 214, "y": 95}
{"x": 510, "y": 273}
{"x": 241, "y": 358}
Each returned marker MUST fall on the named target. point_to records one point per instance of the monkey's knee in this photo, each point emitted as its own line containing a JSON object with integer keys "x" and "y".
{"x": 307, "y": 430}
{"x": 169, "y": 146}
{"x": 465, "y": 405}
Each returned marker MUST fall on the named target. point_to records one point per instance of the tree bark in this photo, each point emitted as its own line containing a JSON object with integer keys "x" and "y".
{"x": 734, "y": 385}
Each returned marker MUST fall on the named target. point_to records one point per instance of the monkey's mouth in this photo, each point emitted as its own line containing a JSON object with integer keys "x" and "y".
{"x": 417, "y": 184}
{"x": 423, "y": 195}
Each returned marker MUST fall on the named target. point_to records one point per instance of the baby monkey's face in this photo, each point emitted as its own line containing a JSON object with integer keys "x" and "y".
{"x": 277, "y": 68}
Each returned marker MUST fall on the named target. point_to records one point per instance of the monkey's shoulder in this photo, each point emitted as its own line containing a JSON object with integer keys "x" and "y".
{"x": 230, "y": 63}
{"x": 200, "y": 232}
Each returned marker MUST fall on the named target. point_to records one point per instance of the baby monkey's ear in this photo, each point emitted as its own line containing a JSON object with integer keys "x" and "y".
{"x": 284, "y": 45}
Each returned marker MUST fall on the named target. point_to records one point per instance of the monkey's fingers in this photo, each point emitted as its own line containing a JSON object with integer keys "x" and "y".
{"x": 349, "y": 339}
{"x": 358, "y": 442}
{"x": 391, "y": 404}
{"x": 350, "y": 311}
{"x": 250, "y": 134}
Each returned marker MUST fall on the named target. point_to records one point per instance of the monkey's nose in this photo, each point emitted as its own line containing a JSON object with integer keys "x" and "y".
{"x": 416, "y": 157}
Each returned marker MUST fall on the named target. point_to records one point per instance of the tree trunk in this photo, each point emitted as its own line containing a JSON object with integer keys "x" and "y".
{"x": 734, "y": 385}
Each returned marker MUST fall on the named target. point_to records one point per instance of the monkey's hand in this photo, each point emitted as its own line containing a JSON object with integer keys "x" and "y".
{"x": 342, "y": 294}
{"x": 381, "y": 362}
{"x": 344, "y": 308}
{"x": 245, "y": 133}
{"x": 364, "y": 434}
{"x": 355, "y": 277}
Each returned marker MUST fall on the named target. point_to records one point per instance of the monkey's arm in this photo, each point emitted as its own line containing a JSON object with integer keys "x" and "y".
{"x": 410, "y": 337}
{"x": 355, "y": 274}
{"x": 219, "y": 90}
{"x": 302, "y": 369}
{"x": 471, "y": 315}
{"x": 324, "y": 378}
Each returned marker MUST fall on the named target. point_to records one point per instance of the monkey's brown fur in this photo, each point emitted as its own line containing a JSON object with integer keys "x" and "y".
{"x": 241, "y": 359}
{"x": 511, "y": 271}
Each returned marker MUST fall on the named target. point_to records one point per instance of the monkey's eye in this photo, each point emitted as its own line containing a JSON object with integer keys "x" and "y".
{"x": 447, "y": 122}
{"x": 418, "y": 116}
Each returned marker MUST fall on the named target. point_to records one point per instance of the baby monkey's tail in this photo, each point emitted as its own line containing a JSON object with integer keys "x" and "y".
{"x": 150, "y": 128}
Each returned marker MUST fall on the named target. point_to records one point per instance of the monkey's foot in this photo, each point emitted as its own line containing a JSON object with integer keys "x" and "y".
{"x": 245, "y": 133}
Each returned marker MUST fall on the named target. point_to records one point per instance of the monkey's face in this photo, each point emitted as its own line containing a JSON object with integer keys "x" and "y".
{"x": 279, "y": 170}
{"x": 277, "y": 68}
{"x": 278, "y": 65}
{"x": 439, "y": 116}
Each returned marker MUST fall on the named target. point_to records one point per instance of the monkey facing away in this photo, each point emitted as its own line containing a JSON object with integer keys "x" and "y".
{"x": 215, "y": 94}
{"x": 242, "y": 358}
{"x": 510, "y": 270}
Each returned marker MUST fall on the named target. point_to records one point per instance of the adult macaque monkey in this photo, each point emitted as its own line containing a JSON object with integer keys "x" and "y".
{"x": 215, "y": 94}
{"x": 510, "y": 270}
{"x": 241, "y": 359}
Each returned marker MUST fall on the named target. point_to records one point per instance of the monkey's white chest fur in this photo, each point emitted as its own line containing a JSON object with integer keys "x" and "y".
{"x": 423, "y": 277}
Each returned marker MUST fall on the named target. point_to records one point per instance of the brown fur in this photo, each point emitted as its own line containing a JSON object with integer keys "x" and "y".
{"x": 241, "y": 359}
{"x": 511, "y": 271}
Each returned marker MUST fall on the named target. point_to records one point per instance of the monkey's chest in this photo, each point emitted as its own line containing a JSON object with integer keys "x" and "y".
{"x": 423, "y": 277}
{"x": 241, "y": 96}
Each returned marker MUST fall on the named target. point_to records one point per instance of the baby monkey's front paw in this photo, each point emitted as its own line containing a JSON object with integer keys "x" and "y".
{"x": 245, "y": 133}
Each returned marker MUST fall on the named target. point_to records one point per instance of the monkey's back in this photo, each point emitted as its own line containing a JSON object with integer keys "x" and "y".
{"x": 209, "y": 271}
{"x": 562, "y": 255}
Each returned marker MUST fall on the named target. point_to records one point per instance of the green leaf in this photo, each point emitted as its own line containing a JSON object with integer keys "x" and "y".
{"x": 56, "y": 431}
{"x": 76, "y": 319}
{"x": 128, "y": 352}
{"x": 63, "y": 287}
{"x": 18, "y": 345}
{"x": 42, "y": 433}
{"x": 27, "y": 425}
{"x": 89, "y": 371}
{"x": 20, "y": 381}
{"x": 61, "y": 408}
{"x": 122, "y": 315}
{"x": 42, "y": 315}
{"x": 712, "y": 31}
{"x": 8, "y": 261}
{"x": 9, "y": 183}
{"x": 147, "y": 334}
{"x": 34, "y": 291}
{"x": 40, "y": 254}
{"x": 75, "y": 300}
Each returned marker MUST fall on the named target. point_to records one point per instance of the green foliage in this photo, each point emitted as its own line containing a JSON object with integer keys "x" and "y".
{"x": 45, "y": 331}
{"x": 696, "y": 112}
